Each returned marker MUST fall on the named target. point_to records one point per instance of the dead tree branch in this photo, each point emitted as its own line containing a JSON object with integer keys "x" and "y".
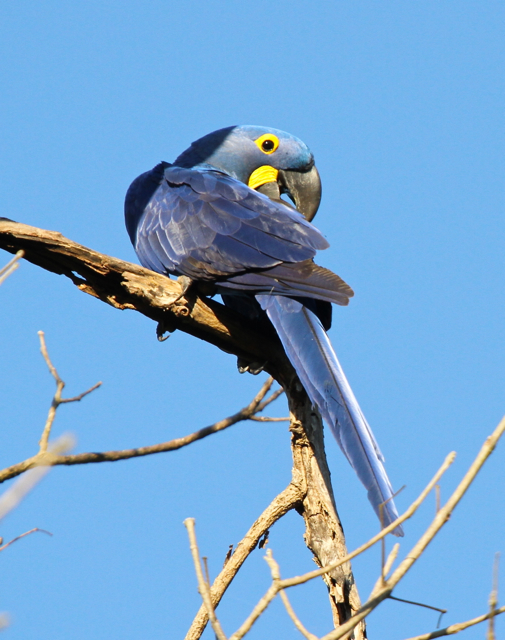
{"x": 50, "y": 458}
{"x": 23, "y": 535}
{"x": 127, "y": 286}
{"x": 288, "y": 499}
{"x": 383, "y": 589}
{"x": 384, "y": 586}
{"x": 11, "y": 266}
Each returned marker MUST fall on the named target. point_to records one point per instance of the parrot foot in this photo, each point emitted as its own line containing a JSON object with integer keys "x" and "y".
{"x": 251, "y": 367}
{"x": 185, "y": 283}
{"x": 162, "y": 328}
{"x": 168, "y": 325}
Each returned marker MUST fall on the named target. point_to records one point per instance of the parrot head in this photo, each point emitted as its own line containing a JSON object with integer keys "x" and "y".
{"x": 271, "y": 161}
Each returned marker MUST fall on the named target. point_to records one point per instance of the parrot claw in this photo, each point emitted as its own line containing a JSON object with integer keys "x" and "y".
{"x": 168, "y": 326}
{"x": 253, "y": 368}
{"x": 185, "y": 283}
{"x": 161, "y": 329}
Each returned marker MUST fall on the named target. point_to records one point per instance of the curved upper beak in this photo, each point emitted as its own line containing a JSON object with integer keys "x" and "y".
{"x": 303, "y": 188}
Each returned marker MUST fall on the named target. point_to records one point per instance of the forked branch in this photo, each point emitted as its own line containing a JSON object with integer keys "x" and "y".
{"x": 384, "y": 585}
{"x": 127, "y": 286}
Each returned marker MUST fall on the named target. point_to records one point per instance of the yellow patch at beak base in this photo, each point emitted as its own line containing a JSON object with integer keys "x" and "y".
{"x": 262, "y": 175}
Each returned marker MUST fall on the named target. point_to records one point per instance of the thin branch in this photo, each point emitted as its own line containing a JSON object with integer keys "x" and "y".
{"x": 276, "y": 394}
{"x": 279, "y": 584}
{"x": 26, "y": 533}
{"x": 82, "y": 395}
{"x": 57, "y": 399}
{"x": 291, "y": 582}
{"x": 380, "y": 591}
{"x": 203, "y": 587}
{"x": 207, "y": 574}
{"x": 11, "y": 266}
{"x": 258, "y": 610}
{"x": 57, "y": 396}
{"x": 493, "y": 598}
{"x": 284, "y": 502}
{"x": 267, "y": 419}
{"x": 256, "y": 613}
{"x": 390, "y": 560}
{"x": 14, "y": 494}
{"x": 384, "y": 588}
{"x": 420, "y": 604}
{"x": 291, "y": 613}
{"x": 276, "y": 576}
{"x": 51, "y": 459}
{"x": 460, "y": 626}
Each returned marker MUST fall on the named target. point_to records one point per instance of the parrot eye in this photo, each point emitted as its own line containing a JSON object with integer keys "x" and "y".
{"x": 268, "y": 143}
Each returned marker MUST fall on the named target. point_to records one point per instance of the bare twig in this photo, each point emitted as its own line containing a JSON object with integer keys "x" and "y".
{"x": 256, "y": 613}
{"x": 284, "y": 502}
{"x": 26, "y": 533}
{"x": 267, "y": 419}
{"x": 57, "y": 399}
{"x": 52, "y": 459}
{"x": 493, "y": 598}
{"x": 11, "y": 266}
{"x": 279, "y": 584}
{"x": 82, "y": 395}
{"x": 276, "y": 576}
{"x": 384, "y": 587}
{"x": 203, "y": 587}
{"x": 421, "y": 604}
{"x": 381, "y": 591}
{"x": 456, "y": 628}
{"x": 291, "y": 582}
{"x": 264, "y": 404}
{"x": 266, "y": 600}
{"x": 13, "y": 496}
{"x": 276, "y": 394}
{"x": 206, "y": 566}
{"x": 390, "y": 560}
{"x": 246, "y": 626}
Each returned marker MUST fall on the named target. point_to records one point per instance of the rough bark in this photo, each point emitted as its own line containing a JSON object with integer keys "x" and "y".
{"x": 124, "y": 285}
{"x": 324, "y": 534}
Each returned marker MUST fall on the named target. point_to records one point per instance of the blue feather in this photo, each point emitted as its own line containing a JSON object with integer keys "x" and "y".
{"x": 310, "y": 352}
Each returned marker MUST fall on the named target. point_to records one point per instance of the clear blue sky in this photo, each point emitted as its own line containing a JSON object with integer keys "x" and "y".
{"x": 402, "y": 105}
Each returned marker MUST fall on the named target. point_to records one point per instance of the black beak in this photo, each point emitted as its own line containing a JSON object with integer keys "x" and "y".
{"x": 304, "y": 189}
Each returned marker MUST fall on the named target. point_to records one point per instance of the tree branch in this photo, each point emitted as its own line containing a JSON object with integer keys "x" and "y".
{"x": 11, "y": 266}
{"x": 203, "y": 586}
{"x": 127, "y": 286}
{"x": 50, "y": 458}
{"x": 124, "y": 285}
{"x": 383, "y": 589}
{"x": 460, "y": 626}
{"x": 288, "y": 499}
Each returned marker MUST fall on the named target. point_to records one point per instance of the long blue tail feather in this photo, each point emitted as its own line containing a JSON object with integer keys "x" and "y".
{"x": 311, "y": 353}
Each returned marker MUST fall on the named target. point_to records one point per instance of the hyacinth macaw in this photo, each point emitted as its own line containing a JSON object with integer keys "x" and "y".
{"x": 216, "y": 215}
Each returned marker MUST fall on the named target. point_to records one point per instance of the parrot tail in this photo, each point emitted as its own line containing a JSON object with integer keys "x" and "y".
{"x": 311, "y": 354}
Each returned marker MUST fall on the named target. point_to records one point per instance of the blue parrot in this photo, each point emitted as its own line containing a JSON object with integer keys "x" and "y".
{"x": 216, "y": 215}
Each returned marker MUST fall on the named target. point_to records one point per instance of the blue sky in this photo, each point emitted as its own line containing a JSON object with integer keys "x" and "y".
{"x": 402, "y": 105}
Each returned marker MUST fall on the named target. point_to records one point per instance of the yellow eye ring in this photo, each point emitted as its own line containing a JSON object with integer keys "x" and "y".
{"x": 268, "y": 143}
